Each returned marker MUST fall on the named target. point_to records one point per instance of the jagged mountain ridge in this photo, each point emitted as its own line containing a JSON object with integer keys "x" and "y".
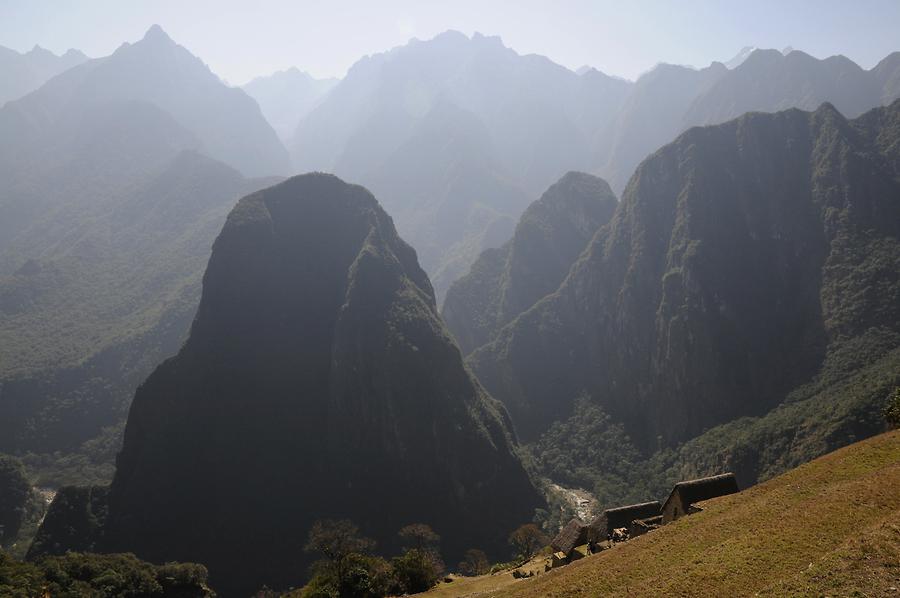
{"x": 156, "y": 70}
{"x": 734, "y": 264}
{"x": 22, "y": 73}
{"x": 505, "y": 282}
{"x": 540, "y": 121}
{"x": 317, "y": 343}
{"x": 399, "y": 106}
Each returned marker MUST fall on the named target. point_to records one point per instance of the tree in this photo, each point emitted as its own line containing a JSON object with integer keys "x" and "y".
{"x": 527, "y": 540}
{"x": 892, "y": 409}
{"x": 335, "y": 539}
{"x": 475, "y": 562}
{"x": 419, "y": 536}
{"x": 415, "y": 571}
{"x": 340, "y": 543}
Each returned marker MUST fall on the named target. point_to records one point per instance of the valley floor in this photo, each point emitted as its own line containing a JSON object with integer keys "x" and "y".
{"x": 830, "y": 527}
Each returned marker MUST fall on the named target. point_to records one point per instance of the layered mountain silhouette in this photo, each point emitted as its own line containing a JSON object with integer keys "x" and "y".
{"x": 285, "y": 97}
{"x": 534, "y": 121}
{"x": 516, "y": 124}
{"x": 22, "y": 73}
{"x": 669, "y": 99}
{"x": 743, "y": 259}
{"x": 155, "y": 70}
{"x": 318, "y": 381}
{"x": 506, "y": 281}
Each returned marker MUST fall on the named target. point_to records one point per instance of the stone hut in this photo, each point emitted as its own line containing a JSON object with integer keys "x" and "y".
{"x": 602, "y": 527}
{"x": 573, "y": 534}
{"x": 685, "y": 494}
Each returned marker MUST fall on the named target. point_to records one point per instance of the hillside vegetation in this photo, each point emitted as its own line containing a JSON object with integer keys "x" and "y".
{"x": 830, "y": 527}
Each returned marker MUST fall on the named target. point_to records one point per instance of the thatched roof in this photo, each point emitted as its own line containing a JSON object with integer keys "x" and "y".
{"x": 572, "y": 535}
{"x": 692, "y": 491}
{"x": 611, "y": 519}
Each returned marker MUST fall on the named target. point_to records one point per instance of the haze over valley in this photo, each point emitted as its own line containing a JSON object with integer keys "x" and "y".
{"x": 448, "y": 315}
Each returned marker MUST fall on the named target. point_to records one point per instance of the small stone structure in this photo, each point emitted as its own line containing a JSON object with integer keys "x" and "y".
{"x": 683, "y": 496}
{"x": 603, "y": 526}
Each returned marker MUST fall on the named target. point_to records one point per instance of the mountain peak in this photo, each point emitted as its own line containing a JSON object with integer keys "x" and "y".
{"x": 39, "y": 50}
{"x": 156, "y": 34}
{"x": 75, "y": 53}
{"x": 740, "y": 57}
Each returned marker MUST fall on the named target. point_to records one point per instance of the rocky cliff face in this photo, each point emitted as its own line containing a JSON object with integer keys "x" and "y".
{"x": 741, "y": 255}
{"x": 505, "y": 282}
{"x": 318, "y": 381}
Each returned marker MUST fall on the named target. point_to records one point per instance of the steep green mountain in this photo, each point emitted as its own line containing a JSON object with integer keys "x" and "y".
{"x": 745, "y": 261}
{"x": 531, "y": 121}
{"x": 22, "y": 73}
{"x": 318, "y": 381}
{"x": 286, "y": 97}
{"x": 506, "y": 281}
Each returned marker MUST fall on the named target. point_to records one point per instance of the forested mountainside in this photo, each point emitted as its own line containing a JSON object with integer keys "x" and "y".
{"x": 506, "y": 281}
{"x": 518, "y": 123}
{"x": 22, "y": 73}
{"x": 286, "y": 97}
{"x": 318, "y": 381}
{"x": 107, "y": 214}
{"x": 106, "y": 289}
{"x": 750, "y": 271}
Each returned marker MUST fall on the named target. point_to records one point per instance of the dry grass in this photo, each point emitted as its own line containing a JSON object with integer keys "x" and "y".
{"x": 828, "y": 528}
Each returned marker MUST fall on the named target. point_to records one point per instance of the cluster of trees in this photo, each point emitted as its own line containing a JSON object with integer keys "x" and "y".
{"x": 349, "y": 568}
{"x": 81, "y": 574}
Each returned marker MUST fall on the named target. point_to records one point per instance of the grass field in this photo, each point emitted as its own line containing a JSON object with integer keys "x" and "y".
{"x": 830, "y": 527}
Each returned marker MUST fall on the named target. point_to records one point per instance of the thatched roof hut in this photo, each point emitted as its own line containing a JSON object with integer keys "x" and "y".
{"x": 683, "y": 496}
{"x": 572, "y": 535}
{"x": 602, "y": 527}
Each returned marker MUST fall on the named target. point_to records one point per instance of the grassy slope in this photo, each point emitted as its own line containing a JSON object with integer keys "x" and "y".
{"x": 830, "y": 527}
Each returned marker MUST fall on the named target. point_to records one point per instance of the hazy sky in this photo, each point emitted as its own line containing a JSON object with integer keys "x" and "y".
{"x": 240, "y": 40}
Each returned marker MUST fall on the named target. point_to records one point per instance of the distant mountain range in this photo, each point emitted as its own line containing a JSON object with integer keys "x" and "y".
{"x": 419, "y": 123}
{"x": 20, "y": 74}
{"x": 286, "y": 97}
{"x": 457, "y": 136}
